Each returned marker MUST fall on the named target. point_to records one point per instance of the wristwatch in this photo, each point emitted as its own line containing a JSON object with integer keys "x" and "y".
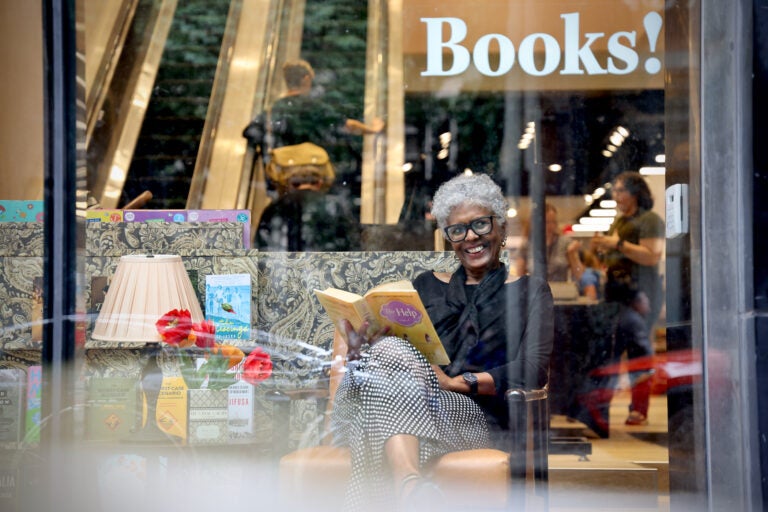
{"x": 471, "y": 379}
{"x": 619, "y": 244}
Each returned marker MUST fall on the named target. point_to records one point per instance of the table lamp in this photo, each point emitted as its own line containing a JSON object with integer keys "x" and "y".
{"x": 143, "y": 289}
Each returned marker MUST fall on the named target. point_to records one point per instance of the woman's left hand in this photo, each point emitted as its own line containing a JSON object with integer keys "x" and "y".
{"x": 604, "y": 243}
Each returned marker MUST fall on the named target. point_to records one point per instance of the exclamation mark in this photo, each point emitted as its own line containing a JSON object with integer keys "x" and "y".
{"x": 652, "y": 23}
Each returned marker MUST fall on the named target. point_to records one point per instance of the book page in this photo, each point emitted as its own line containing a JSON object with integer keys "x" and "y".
{"x": 343, "y": 305}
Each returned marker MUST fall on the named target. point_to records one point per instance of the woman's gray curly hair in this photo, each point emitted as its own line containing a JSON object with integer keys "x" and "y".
{"x": 474, "y": 189}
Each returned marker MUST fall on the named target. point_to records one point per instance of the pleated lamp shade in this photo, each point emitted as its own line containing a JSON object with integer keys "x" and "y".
{"x": 143, "y": 289}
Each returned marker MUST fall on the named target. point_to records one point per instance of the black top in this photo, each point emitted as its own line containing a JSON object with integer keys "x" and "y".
{"x": 644, "y": 224}
{"x": 505, "y": 329}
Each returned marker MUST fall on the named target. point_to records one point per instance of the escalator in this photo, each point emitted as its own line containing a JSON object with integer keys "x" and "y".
{"x": 190, "y": 77}
{"x": 167, "y": 147}
{"x": 157, "y": 102}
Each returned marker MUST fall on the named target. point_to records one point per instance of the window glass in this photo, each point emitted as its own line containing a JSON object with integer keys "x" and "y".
{"x": 242, "y": 154}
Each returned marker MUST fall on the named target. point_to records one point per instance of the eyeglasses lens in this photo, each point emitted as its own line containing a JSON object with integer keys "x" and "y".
{"x": 458, "y": 232}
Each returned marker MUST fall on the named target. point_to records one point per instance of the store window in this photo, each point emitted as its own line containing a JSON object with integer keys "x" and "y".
{"x": 194, "y": 119}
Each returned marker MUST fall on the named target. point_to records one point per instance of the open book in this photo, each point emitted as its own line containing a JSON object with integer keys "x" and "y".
{"x": 396, "y": 305}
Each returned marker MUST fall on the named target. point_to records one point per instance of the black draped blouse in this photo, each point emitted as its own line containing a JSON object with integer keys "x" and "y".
{"x": 505, "y": 329}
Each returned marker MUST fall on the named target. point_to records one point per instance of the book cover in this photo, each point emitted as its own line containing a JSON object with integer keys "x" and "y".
{"x": 34, "y": 403}
{"x": 98, "y": 215}
{"x": 21, "y": 211}
{"x": 111, "y": 408}
{"x": 171, "y": 411}
{"x": 10, "y": 483}
{"x": 12, "y": 411}
{"x": 240, "y": 410}
{"x": 208, "y": 416}
{"x": 396, "y": 305}
{"x": 155, "y": 215}
{"x": 228, "y": 305}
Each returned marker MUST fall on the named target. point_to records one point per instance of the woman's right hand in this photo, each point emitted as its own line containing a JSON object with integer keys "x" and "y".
{"x": 357, "y": 338}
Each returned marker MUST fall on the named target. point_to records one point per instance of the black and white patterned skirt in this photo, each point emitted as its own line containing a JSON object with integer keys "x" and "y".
{"x": 393, "y": 390}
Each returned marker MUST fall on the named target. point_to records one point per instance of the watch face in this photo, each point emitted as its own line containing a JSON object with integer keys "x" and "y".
{"x": 471, "y": 379}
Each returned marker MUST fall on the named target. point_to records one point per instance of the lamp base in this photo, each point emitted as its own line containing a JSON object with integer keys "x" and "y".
{"x": 147, "y": 431}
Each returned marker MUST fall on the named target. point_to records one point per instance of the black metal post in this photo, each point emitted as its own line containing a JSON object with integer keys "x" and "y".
{"x": 59, "y": 262}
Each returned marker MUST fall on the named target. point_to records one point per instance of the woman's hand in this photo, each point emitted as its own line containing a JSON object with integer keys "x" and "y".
{"x": 357, "y": 338}
{"x": 604, "y": 243}
{"x": 445, "y": 382}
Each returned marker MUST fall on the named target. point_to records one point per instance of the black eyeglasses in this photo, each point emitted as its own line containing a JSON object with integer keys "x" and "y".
{"x": 458, "y": 232}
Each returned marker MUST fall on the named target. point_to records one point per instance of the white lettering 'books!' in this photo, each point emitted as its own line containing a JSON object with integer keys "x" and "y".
{"x": 396, "y": 305}
{"x": 228, "y": 305}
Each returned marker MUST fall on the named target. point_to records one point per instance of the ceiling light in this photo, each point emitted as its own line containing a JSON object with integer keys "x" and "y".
{"x": 511, "y": 213}
{"x": 407, "y": 166}
{"x": 582, "y": 228}
{"x": 660, "y": 159}
{"x": 607, "y": 203}
{"x": 653, "y": 171}
{"x": 623, "y": 131}
{"x": 588, "y": 199}
{"x": 555, "y": 167}
{"x": 600, "y": 212}
{"x": 596, "y": 221}
{"x": 607, "y": 154}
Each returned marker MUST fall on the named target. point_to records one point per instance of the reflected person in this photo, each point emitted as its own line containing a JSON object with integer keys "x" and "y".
{"x": 556, "y": 249}
{"x": 300, "y": 115}
{"x": 633, "y": 246}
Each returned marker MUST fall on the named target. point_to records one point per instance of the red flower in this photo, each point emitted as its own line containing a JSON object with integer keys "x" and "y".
{"x": 204, "y": 334}
{"x": 174, "y": 327}
{"x": 257, "y": 367}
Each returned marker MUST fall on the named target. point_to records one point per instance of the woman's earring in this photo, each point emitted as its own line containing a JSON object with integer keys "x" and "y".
{"x": 504, "y": 242}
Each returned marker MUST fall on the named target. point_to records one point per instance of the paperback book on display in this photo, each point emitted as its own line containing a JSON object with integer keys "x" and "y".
{"x": 228, "y": 305}
{"x": 12, "y": 404}
{"x": 111, "y": 408}
{"x": 396, "y": 305}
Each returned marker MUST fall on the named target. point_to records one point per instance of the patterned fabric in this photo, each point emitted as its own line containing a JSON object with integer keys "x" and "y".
{"x": 393, "y": 390}
{"x": 182, "y": 238}
{"x": 19, "y": 239}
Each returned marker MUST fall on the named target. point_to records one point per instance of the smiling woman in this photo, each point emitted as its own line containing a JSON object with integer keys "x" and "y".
{"x": 498, "y": 332}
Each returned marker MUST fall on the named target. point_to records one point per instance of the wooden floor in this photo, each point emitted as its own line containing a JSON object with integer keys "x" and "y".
{"x": 627, "y": 471}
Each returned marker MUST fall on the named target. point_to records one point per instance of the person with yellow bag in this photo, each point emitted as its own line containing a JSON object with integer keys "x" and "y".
{"x": 302, "y": 126}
